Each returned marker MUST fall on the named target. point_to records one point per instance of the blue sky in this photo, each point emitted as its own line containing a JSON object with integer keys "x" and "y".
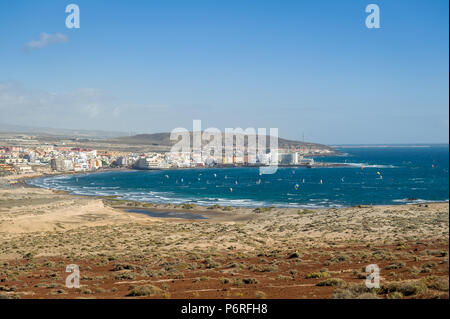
{"x": 301, "y": 66}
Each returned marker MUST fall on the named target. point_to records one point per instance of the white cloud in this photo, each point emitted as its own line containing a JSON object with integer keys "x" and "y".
{"x": 46, "y": 39}
{"x": 85, "y": 108}
{"x": 79, "y": 108}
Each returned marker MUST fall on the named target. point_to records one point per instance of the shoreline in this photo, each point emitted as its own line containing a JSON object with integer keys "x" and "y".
{"x": 213, "y": 213}
{"x": 23, "y": 181}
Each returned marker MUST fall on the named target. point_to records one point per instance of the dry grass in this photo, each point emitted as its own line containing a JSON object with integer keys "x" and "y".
{"x": 252, "y": 254}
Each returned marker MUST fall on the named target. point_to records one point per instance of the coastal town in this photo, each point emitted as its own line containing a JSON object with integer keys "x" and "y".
{"x": 20, "y": 158}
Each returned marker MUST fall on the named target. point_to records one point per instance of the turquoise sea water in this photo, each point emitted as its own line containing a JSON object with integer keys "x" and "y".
{"x": 409, "y": 175}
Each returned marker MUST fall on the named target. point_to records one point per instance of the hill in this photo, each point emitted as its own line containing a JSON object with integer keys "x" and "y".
{"x": 162, "y": 140}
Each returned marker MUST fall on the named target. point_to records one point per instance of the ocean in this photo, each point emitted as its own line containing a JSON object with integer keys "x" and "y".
{"x": 376, "y": 175}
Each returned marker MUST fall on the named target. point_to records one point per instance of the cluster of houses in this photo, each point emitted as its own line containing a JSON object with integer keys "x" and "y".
{"x": 190, "y": 159}
{"x": 21, "y": 160}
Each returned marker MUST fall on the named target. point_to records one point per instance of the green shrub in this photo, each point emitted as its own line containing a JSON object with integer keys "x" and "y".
{"x": 395, "y": 266}
{"x": 405, "y": 288}
{"x": 354, "y": 292}
{"x": 188, "y": 206}
{"x": 146, "y": 290}
{"x": 436, "y": 283}
{"x": 262, "y": 209}
{"x": 314, "y": 275}
{"x": 260, "y": 295}
{"x": 333, "y": 282}
{"x": 215, "y": 206}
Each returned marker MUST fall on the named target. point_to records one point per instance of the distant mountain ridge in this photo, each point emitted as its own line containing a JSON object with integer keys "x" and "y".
{"x": 122, "y": 141}
{"x": 163, "y": 139}
{"x": 47, "y": 131}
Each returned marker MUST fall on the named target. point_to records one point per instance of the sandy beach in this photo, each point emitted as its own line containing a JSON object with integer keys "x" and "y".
{"x": 230, "y": 253}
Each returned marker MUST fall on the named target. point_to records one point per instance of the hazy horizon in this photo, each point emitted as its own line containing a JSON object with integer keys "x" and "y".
{"x": 42, "y": 130}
